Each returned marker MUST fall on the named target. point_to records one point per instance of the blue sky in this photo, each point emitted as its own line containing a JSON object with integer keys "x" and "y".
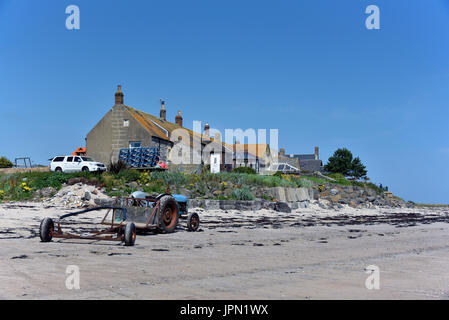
{"x": 309, "y": 68}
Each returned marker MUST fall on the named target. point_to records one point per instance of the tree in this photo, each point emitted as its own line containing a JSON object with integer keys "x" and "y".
{"x": 358, "y": 170}
{"x": 340, "y": 162}
{"x": 5, "y": 163}
{"x": 343, "y": 162}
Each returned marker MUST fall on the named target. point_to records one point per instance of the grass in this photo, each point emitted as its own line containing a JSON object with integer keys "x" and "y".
{"x": 224, "y": 185}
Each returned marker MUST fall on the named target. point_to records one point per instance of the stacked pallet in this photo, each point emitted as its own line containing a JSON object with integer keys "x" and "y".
{"x": 140, "y": 157}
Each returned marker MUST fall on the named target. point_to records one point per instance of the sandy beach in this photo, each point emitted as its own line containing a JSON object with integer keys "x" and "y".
{"x": 311, "y": 253}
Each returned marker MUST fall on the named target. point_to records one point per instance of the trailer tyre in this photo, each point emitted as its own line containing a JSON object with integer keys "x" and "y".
{"x": 193, "y": 221}
{"x": 130, "y": 234}
{"x": 168, "y": 214}
{"x": 46, "y": 229}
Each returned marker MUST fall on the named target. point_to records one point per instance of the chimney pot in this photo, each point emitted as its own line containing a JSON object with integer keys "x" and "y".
{"x": 282, "y": 151}
{"x": 206, "y": 131}
{"x": 163, "y": 112}
{"x": 119, "y": 95}
{"x": 178, "y": 119}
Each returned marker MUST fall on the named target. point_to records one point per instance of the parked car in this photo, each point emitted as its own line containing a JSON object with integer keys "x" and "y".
{"x": 75, "y": 164}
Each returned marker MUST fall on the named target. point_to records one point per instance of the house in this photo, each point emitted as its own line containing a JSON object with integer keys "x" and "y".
{"x": 125, "y": 127}
{"x": 286, "y": 163}
{"x": 304, "y": 162}
{"x": 256, "y": 156}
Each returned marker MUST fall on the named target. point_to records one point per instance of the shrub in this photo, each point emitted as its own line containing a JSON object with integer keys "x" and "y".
{"x": 242, "y": 193}
{"x": 304, "y": 183}
{"x": 117, "y": 167}
{"x": 247, "y": 170}
{"x": 5, "y": 163}
{"x": 128, "y": 175}
{"x": 278, "y": 174}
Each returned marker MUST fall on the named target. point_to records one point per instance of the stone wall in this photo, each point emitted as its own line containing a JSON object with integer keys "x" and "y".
{"x": 19, "y": 170}
{"x": 252, "y": 205}
{"x": 285, "y": 199}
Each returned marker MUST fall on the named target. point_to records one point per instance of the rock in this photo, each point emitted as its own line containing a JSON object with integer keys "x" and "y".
{"x": 104, "y": 201}
{"x": 86, "y": 196}
{"x": 46, "y": 192}
{"x": 371, "y": 198}
{"x": 282, "y": 207}
{"x": 268, "y": 205}
{"x": 335, "y": 199}
{"x": 334, "y": 191}
{"x": 303, "y": 204}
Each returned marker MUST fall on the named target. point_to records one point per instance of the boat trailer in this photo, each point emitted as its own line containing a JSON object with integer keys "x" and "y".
{"x": 125, "y": 216}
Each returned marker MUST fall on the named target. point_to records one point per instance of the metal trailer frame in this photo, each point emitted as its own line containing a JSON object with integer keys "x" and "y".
{"x": 116, "y": 227}
{"x": 107, "y": 234}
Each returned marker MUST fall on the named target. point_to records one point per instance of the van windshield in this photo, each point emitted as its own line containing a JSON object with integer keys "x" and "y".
{"x": 87, "y": 159}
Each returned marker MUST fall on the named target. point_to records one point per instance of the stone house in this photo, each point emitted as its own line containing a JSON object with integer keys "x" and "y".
{"x": 304, "y": 162}
{"x": 125, "y": 127}
{"x": 256, "y": 156}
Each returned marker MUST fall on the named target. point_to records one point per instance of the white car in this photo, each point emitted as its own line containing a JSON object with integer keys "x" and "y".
{"x": 75, "y": 164}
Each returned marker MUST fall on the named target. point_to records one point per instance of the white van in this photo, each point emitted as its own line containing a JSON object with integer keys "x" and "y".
{"x": 75, "y": 164}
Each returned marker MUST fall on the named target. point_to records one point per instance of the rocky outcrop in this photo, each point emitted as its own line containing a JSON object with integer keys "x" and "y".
{"x": 357, "y": 197}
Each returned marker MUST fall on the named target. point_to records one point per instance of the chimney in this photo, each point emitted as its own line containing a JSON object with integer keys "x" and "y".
{"x": 119, "y": 95}
{"x": 317, "y": 153}
{"x": 207, "y": 131}
{"x": 178, "y": 119}
{"x": 282, "y": 152}
{"x": 163, "y": 112}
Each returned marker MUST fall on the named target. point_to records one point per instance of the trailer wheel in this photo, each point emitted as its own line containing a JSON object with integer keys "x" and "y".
{"x": 46, "y": 229}
{"x": 130, "y": 234}
{"x": 193, "y": 221}
{"x": 168, "y": 214}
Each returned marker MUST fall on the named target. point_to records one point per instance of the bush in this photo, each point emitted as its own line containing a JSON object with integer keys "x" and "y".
{"x": 242, "y": 193}
{"x": 247, "y": 170}
{"x": 128, "y": 175}
{"x": 5, "y": 163}
{"x": 117, "y": 167}
{"x": 304, "y": 183}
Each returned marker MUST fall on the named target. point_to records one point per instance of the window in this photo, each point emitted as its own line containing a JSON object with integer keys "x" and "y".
{"x": 135, "y": 144}
{"x": 58, "y": 159}
{"x": 77, "y": 159}
{"x": 69, "y": 159}
{"x": 126, "y": 123}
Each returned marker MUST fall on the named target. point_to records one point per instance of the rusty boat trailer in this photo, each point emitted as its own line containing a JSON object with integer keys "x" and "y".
{"x": 113, "y": 233}
{"x": 123, "y": 218}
